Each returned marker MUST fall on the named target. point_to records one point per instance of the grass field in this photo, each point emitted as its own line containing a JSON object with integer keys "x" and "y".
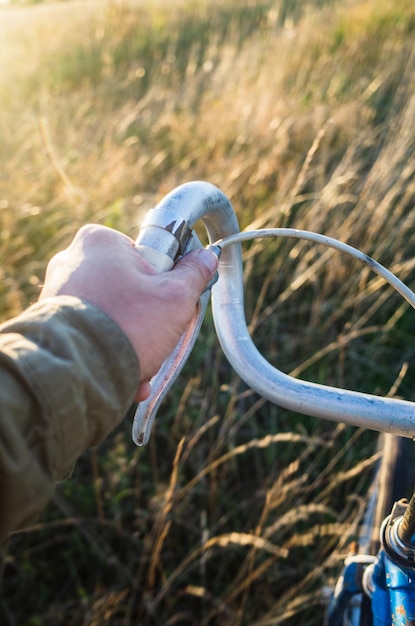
{"x": 238, "y": 513}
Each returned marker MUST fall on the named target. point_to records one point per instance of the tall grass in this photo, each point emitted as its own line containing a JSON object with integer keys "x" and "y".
{"x": 237, "y": 512}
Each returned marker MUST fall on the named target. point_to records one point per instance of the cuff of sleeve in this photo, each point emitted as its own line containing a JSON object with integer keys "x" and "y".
{"x": 80, "y": 367}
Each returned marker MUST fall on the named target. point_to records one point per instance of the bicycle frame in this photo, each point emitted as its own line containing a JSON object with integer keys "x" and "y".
{"x": 388, "y": 580}
{"x": 394, "y": 604}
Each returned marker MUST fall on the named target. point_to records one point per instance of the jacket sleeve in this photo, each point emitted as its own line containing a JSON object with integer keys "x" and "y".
{"x": 68, "y": 375}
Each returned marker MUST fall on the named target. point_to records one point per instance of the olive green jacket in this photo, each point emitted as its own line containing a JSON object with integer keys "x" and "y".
{"x": 68, "y": 375}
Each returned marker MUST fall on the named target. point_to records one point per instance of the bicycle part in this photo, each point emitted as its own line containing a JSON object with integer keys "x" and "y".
{"x": 393, "y": 478}
{"x": 163, "y": 380}
{"x": 397, "y": 534}
{"x": 267, "y": 233}
{"x": 199, "y": 200}
{"x": 388, "y": 580}
{"x": 392, "y": 593}
{"x": 346, "y": 604}
{"x": 166, "y": 235}
{"x": 406, "y": 527}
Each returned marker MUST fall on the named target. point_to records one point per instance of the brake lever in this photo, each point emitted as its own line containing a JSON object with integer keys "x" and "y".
{"x": 162, "y": 382}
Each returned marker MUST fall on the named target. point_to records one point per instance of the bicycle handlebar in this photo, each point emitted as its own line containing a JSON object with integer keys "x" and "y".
{"x": 168, "y": 230}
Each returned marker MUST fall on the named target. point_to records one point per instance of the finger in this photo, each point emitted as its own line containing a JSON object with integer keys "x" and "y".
{"x": 197, "y": 268}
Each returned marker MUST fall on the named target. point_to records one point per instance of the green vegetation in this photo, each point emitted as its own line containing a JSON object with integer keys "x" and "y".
{"x": 237, "y": 513}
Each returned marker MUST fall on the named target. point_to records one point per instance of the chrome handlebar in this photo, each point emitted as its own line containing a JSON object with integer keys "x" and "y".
{"x": 167, "y": 234}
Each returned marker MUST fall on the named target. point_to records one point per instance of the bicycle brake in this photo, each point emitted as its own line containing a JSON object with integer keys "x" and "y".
{"x": 163, "y": 239}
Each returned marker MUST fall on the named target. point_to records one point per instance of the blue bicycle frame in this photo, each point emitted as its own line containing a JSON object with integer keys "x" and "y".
{"x": 393, "y": 594}
{"x": 388, "y": 580}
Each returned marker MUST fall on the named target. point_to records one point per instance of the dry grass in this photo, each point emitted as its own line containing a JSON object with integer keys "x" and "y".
{"x": 237, "y": 513}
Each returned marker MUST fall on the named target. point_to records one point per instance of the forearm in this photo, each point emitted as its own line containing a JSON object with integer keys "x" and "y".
{"x": 68, "y": 376}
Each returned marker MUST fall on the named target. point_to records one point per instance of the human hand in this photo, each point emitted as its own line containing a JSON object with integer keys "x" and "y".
{"x": 102, "y": 267}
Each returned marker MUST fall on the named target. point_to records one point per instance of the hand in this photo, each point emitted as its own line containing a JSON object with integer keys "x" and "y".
{"x": 102, "y": 267}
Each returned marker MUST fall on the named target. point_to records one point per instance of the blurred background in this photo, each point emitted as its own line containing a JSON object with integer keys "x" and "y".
{"x": 302, "y": 112}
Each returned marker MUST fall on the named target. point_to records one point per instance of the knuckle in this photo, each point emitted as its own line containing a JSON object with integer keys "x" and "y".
{"x": 97, "y": 234}
{"x": 57, "y": 260}
{"x": 92, "y": 233}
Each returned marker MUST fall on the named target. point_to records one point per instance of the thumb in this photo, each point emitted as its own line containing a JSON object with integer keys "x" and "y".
{"x": 197, "y": 267}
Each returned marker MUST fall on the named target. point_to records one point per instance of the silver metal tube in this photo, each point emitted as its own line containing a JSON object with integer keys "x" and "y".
{"x": 200, "y": 200}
